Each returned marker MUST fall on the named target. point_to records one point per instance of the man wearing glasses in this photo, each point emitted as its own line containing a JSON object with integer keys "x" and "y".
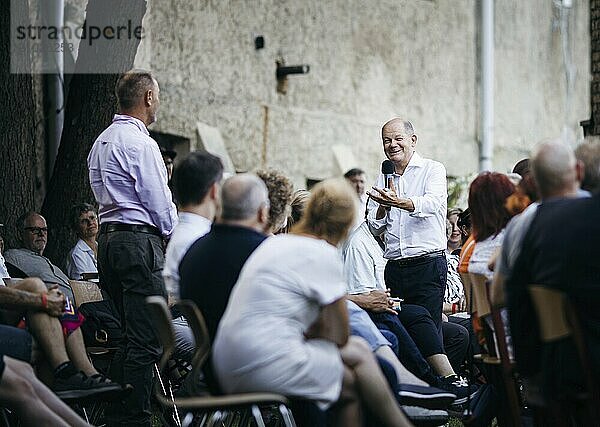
{"x": 29, "y": 261}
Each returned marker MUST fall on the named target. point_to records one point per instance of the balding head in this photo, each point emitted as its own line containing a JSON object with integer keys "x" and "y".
{"x": 399, "y": 142}
{"x": 589, "y": 154}
{"x": 34, "y": 231}
{"x": 242, "y": 197}
{"x": 397, "y": 121}
{"x": 555, "y": 169}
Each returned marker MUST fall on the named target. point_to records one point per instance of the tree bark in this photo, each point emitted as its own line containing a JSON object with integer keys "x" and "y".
{"x": 17, "y": 131}
{"x": 90, "y": 107}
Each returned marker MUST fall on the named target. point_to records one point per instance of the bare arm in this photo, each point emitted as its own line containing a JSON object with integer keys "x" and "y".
{"x": 15, "y": 299}
{"x": 52, "y": 301}
{"x": 332, "y": 324}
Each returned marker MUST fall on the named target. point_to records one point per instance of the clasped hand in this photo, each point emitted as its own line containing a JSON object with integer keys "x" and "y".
{"x": 55, "y": 302}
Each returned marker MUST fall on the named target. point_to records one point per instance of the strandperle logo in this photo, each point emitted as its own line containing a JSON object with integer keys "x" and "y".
{"x": 44, "y": 40}
{"x": 83, "y": 32}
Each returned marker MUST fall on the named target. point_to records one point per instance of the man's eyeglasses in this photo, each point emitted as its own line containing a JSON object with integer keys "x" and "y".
{"x": 37, "y": 230}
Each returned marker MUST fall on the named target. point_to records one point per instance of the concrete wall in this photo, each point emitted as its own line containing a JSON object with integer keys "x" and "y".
{"x": 370, "y": 60}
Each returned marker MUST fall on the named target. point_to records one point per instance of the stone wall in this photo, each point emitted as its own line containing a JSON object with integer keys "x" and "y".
{"x": 370, "y": 60}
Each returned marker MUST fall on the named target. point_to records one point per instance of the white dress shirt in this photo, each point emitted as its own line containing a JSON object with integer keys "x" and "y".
{"x": 189, "y": 229}
{"x": 364, "y": 263}
{"x": 80, "y": 260}
{"x": 409, "y": 234}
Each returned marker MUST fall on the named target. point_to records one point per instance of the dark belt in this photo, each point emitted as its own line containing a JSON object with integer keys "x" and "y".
{"x": 418, "y": 259}
{"x": 118, "y": 226}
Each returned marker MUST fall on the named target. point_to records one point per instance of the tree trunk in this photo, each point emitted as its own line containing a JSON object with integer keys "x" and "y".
{"x": 17, "y": 130}
{"x": 90, "y": 107}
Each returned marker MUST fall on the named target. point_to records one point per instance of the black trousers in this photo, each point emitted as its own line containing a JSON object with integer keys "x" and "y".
{"x": 409, "y": 352}
{"x": 422, "y": 283}
{"x": 130, "y": 266}
{"x": 456, "y": 343}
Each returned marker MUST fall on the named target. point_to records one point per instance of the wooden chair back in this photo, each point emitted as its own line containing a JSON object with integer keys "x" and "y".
{"x": 510, "y": 386}
{"x": 558, "y": 319}
{"x": 550, "y": 307}
{"x": 481, "y": 302}
{"x": 84, "y": 291}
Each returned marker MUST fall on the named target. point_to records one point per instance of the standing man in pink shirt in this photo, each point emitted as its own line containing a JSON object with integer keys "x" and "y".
{"x": 136, "y": 211}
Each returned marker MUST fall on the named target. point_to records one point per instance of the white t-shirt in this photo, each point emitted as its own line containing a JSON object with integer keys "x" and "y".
{"x": 478, "y": 264}
{"x": 260, "y": 343}
{"x": 364, "y": 264}
{"x": 189, "y": 229}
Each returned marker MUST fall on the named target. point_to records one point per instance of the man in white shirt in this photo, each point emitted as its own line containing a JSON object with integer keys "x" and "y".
{"x": 356, "y": 177}
{"x": 197, "y": 185}
{"x": 411, "y": 209}
{"x": 196, "y": 182}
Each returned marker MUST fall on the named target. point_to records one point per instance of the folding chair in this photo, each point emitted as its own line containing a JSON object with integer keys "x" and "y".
{"x": 510, "y": 385}
{"x": 205, "y": 404}
{"x": 557, "y": 321}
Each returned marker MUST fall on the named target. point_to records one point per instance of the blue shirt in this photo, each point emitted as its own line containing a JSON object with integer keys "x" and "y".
{"x": 129, "y": 178}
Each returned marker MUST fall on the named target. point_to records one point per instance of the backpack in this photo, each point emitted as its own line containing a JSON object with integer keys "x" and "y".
{"x": 102, "y": 327}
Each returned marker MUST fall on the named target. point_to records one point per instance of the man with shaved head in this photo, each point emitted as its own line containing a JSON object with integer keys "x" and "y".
{"x": 558, "y": 251}
{"x": 213, "y": 263}
{"x": 557, "y": 174}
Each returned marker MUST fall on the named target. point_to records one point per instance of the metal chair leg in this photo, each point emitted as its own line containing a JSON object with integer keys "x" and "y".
{"x": 215, "y": 417}
{"x": 257, "y": 416}
{"x": 288, "y": 419}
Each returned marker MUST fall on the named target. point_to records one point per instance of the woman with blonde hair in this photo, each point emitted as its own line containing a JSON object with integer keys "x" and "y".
{"x": 285, "y": 329}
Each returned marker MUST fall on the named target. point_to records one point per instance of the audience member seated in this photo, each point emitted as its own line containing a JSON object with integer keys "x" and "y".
{"x": 363, "y": 271}
{"x": 385, "y": 344}
{"x": 454, "y": 295}
{"x": 285, "y": 329}
{"x": 63, "y": 349}
{"x": 196, "y": 183}
{"x": 559, "y": 175}
{"x": 298, "y": 203}
{"x": 213, "y": 263}
{"x": 82, "y": 258}
{"x": 487, "y": 197}
{"x": 30, "y": 261}
{"x": 589, "y": 154}
{"x": 558, "y": 251}
{"x": 542, "y": 260}
{"x": 280, "y": 195}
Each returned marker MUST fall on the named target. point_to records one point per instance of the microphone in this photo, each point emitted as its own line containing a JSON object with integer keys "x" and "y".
{"x": 388, "y": 169}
